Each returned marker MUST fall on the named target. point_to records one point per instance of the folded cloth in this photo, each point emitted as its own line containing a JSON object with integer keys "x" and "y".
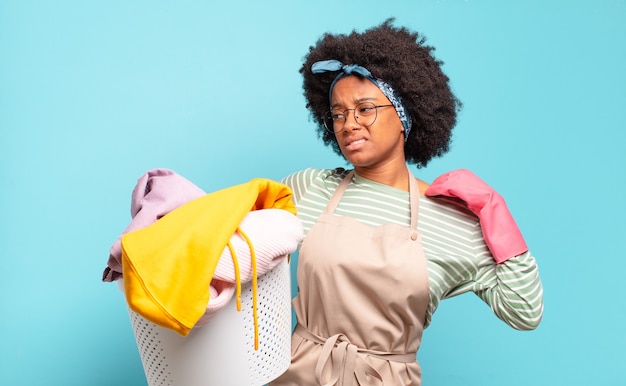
{"x": 168, "y": 266}
{"x": 157, "y": 192}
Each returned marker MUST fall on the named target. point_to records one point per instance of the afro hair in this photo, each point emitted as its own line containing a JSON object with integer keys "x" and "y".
{"x": 401, "y": 58}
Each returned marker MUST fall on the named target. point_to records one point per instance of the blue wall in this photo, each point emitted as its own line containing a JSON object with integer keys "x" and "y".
{"x": 92, "y": 94}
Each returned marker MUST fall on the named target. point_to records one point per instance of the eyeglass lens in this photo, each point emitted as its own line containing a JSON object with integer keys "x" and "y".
{"x": 364, "y": 113}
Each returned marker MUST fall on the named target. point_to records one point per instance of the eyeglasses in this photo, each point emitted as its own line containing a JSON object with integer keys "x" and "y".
{"x": 364, "y": 114}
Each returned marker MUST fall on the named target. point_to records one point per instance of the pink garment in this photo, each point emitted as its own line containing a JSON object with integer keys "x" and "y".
{"x": 157, "y": 192}
{"x": 273, "y": 233}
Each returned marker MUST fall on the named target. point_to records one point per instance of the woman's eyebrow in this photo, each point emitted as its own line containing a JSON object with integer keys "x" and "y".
{"x": 360, "y": 100}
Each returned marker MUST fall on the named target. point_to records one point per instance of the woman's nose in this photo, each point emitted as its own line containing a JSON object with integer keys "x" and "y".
{"x": 351, "y": 123}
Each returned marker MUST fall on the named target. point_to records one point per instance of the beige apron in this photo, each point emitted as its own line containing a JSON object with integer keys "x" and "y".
{"x": 363, "y": 296}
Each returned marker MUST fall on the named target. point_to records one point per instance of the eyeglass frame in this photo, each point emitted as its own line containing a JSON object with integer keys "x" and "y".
{"x": 329, "y": 115}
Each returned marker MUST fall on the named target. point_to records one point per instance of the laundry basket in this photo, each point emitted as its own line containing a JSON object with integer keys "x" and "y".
{"x": 222, "y": 352}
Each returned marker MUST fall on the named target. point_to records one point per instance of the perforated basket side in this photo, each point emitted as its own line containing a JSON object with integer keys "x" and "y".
{"x": 274, "y": 311}
{"x": 222, "y": 352}
{"x": 151, "y": 351}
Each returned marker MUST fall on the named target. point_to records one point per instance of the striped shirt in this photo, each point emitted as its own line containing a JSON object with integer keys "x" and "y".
{"x": 457, "y": 257}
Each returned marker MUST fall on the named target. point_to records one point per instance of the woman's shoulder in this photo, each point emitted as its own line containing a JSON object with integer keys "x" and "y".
{"x": 448, "y": 209}
{"x": 422, "y": 186}
{"x": 314, "y": 179}
{"x": 312, "y": 174}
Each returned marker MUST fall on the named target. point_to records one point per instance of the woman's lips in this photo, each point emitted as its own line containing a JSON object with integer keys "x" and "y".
{"x": 354, "y": 144}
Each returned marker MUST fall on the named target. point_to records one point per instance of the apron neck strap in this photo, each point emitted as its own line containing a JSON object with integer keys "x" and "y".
{"x": 414, "y": 199}
{"x": 336, "y": 197}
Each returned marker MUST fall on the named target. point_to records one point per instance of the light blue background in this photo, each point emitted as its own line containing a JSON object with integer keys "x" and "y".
{"x": 92, "y": 94}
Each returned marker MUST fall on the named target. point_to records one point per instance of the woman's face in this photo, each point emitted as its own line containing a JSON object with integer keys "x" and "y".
{"x": 380, "y": 144}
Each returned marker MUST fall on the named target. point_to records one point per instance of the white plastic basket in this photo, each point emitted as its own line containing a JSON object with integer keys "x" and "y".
{"x": 222, "y": 352}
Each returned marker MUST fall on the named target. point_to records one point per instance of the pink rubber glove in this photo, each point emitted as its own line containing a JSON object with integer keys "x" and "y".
{"x": 500, "y": 231}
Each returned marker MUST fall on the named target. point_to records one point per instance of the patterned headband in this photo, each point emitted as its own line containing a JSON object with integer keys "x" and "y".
{"x": 349, "y": 69}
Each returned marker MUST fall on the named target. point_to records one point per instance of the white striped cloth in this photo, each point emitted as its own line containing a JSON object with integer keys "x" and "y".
{"x": 457, "y": 258}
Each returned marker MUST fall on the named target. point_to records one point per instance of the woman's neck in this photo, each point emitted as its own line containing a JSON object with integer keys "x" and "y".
{"x": 394, "y": 175}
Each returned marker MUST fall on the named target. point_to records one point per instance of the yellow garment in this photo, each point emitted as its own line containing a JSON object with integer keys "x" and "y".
{"x": 168, "y": 266}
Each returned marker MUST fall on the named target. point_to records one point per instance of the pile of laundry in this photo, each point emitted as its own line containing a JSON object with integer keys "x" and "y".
{"x": 186, "y": 253}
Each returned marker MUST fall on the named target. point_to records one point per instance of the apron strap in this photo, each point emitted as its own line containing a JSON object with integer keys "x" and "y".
{"x": 336, "y": 197}
{"x": 414, "y": 199}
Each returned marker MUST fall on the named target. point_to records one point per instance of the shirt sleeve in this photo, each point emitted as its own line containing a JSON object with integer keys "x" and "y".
{"x": 300, "y": 181}
{"x": 460, "y": 262}
{"x": 512, "y": 289}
